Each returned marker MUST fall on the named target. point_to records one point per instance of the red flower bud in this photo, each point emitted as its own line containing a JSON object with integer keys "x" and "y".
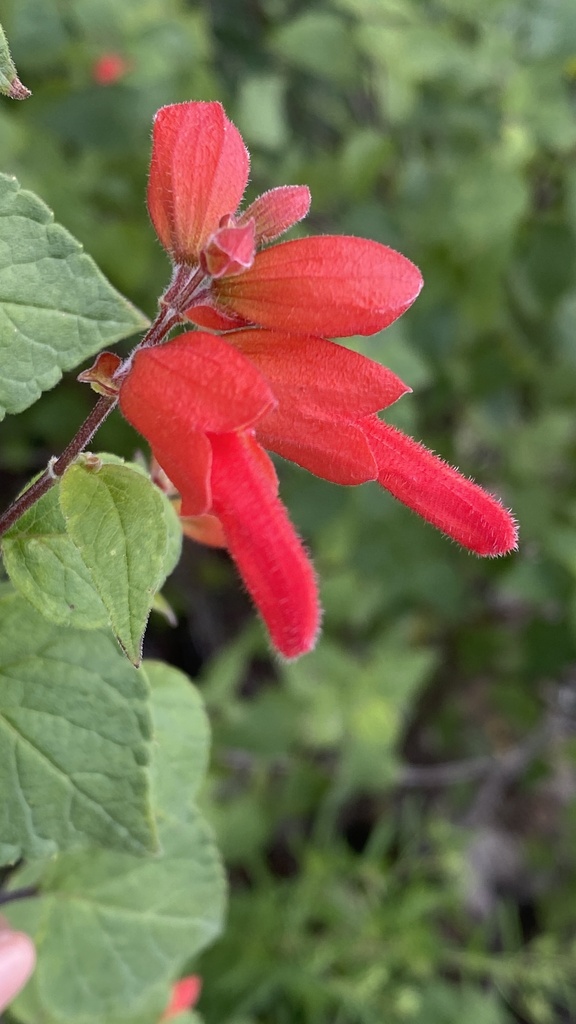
{"x": 110, "y": 68}
{"x": 185, "y": 995}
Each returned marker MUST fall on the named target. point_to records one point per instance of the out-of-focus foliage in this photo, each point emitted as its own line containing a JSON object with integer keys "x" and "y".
{"x": 364, "y": 890}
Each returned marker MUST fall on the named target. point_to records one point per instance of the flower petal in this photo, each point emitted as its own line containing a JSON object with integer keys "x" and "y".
{"x": 198, "y": 174}
{"x": 439, "y": 493}
{"x": 17, "y": 961}
{"x": 206, "y": 315}
{"x": 333, "y": 449}
{"x": 332, "y": 285}
{"x": 321, "y": 387}
{"x": 178, "y": 391}
{"x": 230, "y": 251}
{"x": 205, "y": 529}
{"x": 264, "y": 545}
{"x": 185, "y": 995}
{"x": 277, "y": 210}
{"x": 187, "y": 461}
{"x": 319, "y": 377}
{"x": 194, "y": 382}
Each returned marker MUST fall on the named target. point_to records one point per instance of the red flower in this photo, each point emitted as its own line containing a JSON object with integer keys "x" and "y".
{"x": 197, "y": 399}
{"x": 211, "y": 405}
{"x": 185, "y": 995}
{"x": 110, "y": 68}
{"x": 330, "y": 285}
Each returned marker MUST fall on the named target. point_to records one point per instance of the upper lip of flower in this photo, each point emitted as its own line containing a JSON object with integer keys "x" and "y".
{"x": 331, "y": 285}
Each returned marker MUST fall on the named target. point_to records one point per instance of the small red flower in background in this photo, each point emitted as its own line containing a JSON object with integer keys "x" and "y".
{"x": 210, "y": 405}
{"x": 185, "y": 995}
{"x": 110, "y": 68}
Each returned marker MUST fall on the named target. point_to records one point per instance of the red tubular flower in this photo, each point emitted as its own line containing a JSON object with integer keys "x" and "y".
{"x": 322, "y": 389}
{"x": 210, "y": 406}
{"x": 197, "y": 400}
{"x": 333, "y": 285}
{"x": 324, "y": 394}
{"x": 439, "y": 493}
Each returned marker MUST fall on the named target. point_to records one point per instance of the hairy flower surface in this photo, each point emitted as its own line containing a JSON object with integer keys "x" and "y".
{"x": 211, "y": 406}
{"x": 197, "y": 400}
{"x": 224, "y": 278}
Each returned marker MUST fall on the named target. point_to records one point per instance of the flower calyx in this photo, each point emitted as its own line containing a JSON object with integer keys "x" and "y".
{"x": 100, "y": 376}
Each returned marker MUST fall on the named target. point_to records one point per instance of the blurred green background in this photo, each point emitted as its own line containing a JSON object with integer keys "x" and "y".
{"x": 396, "y": 810}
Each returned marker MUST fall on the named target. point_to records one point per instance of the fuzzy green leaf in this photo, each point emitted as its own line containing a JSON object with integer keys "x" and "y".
{"x": 56, "y": 307}
{"x": 114, "y": 930}
{"x": 116, "y": 518}
{"x": 110, "y": 928}
{"x": 181, "y": 727}
{"x": 46, "y": 567}
{"x": 74, "y": 740}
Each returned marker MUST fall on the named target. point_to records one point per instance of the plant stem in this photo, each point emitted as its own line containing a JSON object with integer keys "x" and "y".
{"x": 166, "y": 319}
{"x": 18, "y": 894}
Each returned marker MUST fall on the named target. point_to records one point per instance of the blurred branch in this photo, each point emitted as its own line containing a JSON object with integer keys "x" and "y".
{"x": 416, "y": 776}
{"x": 18, "y": 894}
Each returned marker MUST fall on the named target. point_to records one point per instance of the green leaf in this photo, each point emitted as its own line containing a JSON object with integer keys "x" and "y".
{"x": 173, "y": 525}
{"x": 116, "y": 518}
{"x": 74, "y": 740}
{"x": 113, "y": 929}
{"x": 10, "y": 85}
{"x": 110, "y": 927}
{"x": 32, "y": 1010}
{"x": 320, "y": 43}
{"x": 173, "y": 539}
{"x": 181, "y": 727}
{"x": 56, "y": 307}
{"x": 46, "y": 567}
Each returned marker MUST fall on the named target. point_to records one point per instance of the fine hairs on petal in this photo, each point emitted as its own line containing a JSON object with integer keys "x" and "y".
{"x": 198, "y": 174}
{"x": 439, "y": 493}
{"x": 331, "y": 285}
{"x": 288, "y": 659}
{"x": 277, "y": 210}
{"x": 212, "y": 404}
{"x": 262, "y": 541}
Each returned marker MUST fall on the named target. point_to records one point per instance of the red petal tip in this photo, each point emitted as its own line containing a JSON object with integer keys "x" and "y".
{"x": 198, "y": 174}
{"x": 278, "y": 210}
{"x": 439, "y": 493}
